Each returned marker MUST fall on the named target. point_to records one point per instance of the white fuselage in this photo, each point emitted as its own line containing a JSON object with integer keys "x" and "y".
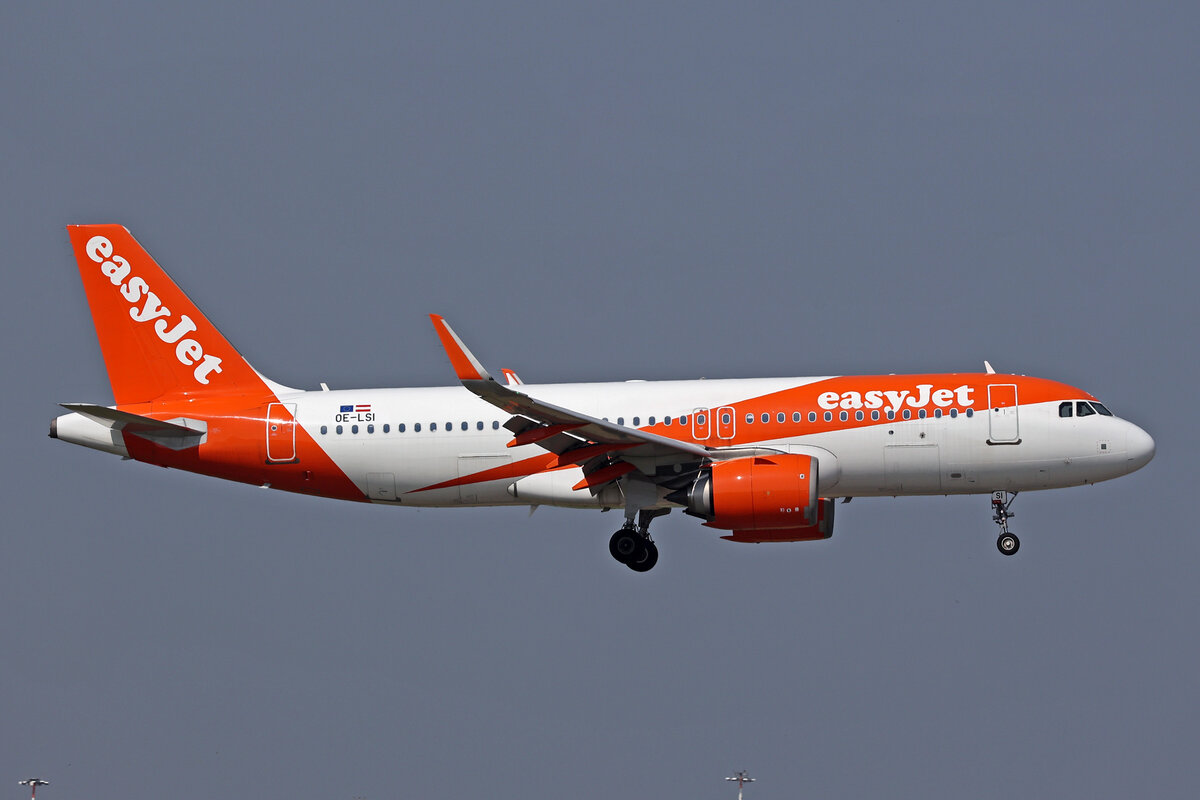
{"x": 434, "y": 435}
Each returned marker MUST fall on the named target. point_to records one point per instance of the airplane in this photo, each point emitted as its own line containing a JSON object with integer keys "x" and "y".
{"x": 761, "y": 459}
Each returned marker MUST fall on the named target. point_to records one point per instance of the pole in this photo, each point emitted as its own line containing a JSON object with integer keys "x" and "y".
{"x": 742, "y": 777}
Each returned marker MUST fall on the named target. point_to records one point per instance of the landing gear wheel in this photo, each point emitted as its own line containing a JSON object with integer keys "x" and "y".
{"x": 612, "y": 546}
{"x": 645, "y": 558}
{"x": 625, "y": 544}
{"x": 1008, "y": 544}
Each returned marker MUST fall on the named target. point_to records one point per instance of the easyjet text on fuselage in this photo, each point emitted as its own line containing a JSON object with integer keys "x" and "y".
{"x": 895, "y": 399}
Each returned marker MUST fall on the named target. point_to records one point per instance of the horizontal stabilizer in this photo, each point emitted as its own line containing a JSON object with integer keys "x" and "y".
{"x": 176, "y": 434}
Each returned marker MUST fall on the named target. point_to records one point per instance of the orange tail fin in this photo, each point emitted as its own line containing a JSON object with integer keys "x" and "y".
{"x": 154, "y": 340}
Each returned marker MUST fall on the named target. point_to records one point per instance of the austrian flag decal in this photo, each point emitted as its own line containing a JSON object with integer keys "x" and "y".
{"x": 359, "y": 412}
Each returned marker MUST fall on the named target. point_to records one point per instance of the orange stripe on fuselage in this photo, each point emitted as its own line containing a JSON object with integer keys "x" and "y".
{"x": 855, "y": 389}
{"x": 235, "y": 447}
{"x": 529, "y": 466}
{"x": 518, "y": 469}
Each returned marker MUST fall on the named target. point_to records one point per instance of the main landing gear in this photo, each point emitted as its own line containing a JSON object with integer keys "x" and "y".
{"x": 1008, "y": 543}
{"x": 632, "y": 545}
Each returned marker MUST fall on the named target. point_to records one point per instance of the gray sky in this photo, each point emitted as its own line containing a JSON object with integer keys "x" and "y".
{"x": 655, "y": 191}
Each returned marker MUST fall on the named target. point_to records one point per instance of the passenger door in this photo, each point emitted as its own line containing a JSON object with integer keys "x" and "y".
{"x": 1003, "y": 423}
{"x": 281, "y": 433}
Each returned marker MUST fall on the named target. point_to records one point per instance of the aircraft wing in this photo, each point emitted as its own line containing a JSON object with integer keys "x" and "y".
{"x": 596, "y": 444}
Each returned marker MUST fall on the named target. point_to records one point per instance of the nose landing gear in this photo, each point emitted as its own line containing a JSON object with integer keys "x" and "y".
{"x": 1007, "y": 543}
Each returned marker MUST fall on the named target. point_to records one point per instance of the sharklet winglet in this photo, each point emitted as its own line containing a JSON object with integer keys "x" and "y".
{"x": 466, "y": 365}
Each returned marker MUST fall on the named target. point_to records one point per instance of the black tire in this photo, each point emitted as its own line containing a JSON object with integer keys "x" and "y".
{"x": 1008, "y": 544}
{"x": 623, "y": 545}
{"x": 612, "y": 546}
{"x": 646, "y": 557}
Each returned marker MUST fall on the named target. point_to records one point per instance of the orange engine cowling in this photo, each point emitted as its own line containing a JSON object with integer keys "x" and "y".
{"x": 758, "y": 493}
{"x": 823, "y": 528}
{"x": 761, "y": 499}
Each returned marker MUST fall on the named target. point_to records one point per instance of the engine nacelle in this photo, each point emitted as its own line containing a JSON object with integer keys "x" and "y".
{"x": 762, "y": 498}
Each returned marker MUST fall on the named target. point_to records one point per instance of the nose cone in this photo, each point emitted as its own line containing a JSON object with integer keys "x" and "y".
{"x": 1139, "y": 447}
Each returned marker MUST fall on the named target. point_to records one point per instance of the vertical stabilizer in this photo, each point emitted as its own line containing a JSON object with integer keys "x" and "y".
{"x": 155, "y": 341}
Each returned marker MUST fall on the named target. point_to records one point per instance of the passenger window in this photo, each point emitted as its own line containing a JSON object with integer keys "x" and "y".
{"x": 891, "y": 413}
{"x": 766, "y": 417}
{"x": 338, "y": 429}
{"x": 749, "y": 419}
{"x": 845, "y": 415}
{"x": 701, "y": 419}
{"x": 324, "y": 429}
{"x": 387, "y": 428}
{"x": 370, "y": 429}
{"x": 829, "y": 416}
{"x": 858, "y": 415}
{"x": 400, "y": 428}
{"x": 726, "y": 418}
{"x": 666, "y": 420}
{"x": 953, "y": 413}
{"x": 970, "y": 413}
{"x": 495, "y": 424}
{"x": 1064, "y": 409}
{"x": 812, "y": 416}
{"x": 354, "y": 429}
{"x": 650, "y": 421}
{"x": 449, "y": 426}
{"x": 921, "y": 413}
{"x": 620, "y": 420}
{"x": 1083, "y": 409}
{"x": 796, "y": 416}
{"x": 465, "y": 426}
{"x": 780, "y": 417}
{"x": 683, "y": 419}
{"x": 1101, "y": 409}
{"x": 907, "y": 414}
{"x": 937, "y": 413}
{"x": 875, "y": 414}
{"x": 432, "y": 426}
{"x": 637, "y": 421}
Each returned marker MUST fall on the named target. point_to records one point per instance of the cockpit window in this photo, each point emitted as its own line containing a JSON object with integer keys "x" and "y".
{"x": 1064, "y": 409}
{"x": 1082, "y": 409}
{"x": 1100, "y": 407}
